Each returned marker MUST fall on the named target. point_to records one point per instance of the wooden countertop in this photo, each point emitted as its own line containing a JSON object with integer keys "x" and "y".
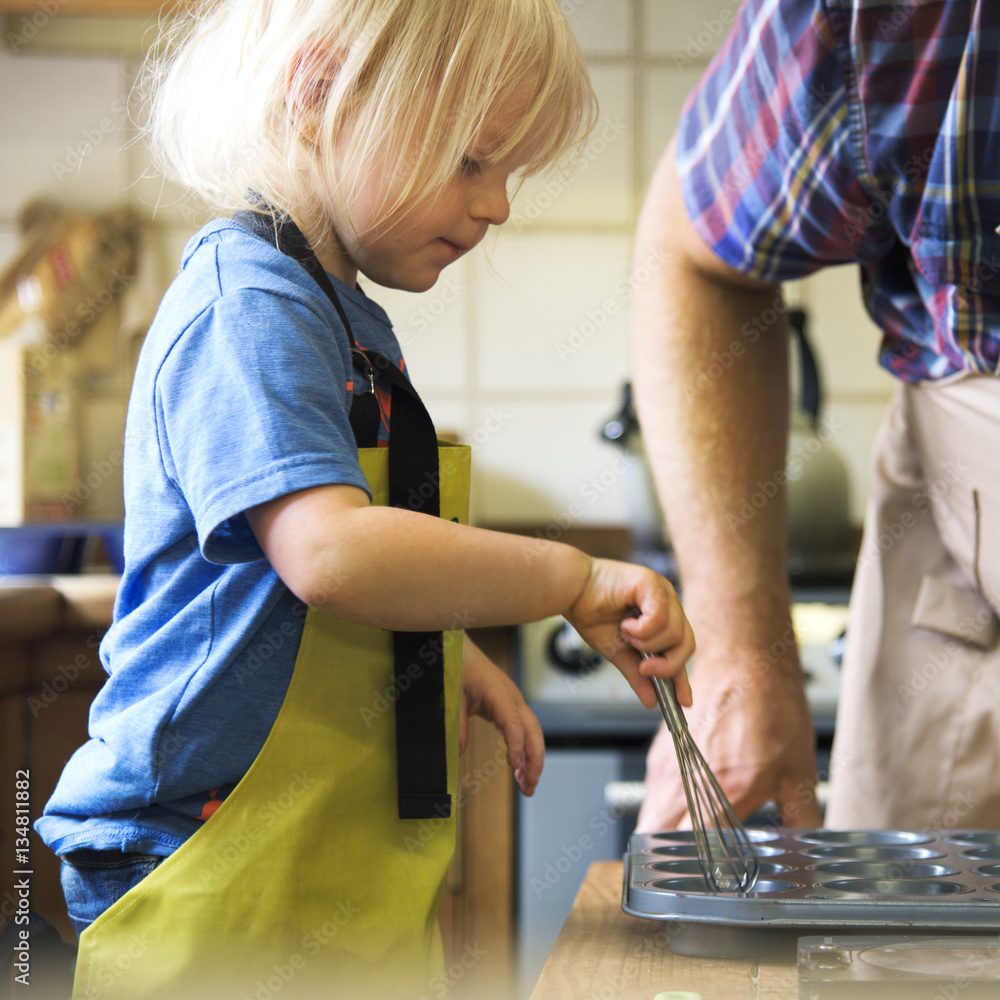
{"x": 603, "y": 952}
{"x": 32, "y": 607}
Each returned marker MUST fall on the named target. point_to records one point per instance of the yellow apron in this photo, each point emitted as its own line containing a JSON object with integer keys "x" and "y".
{"x": 304, "y": 883}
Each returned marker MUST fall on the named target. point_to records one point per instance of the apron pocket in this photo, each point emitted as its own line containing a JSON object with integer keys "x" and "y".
{"x": 956, "y": 611}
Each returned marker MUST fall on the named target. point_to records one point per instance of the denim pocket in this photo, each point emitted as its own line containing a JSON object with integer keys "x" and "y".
{"x": 93, "y": 880}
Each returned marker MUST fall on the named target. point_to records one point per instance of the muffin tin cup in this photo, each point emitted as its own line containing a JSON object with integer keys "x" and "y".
{"x": 691, "y": 850}
{"x": 904, "y": 868}
{"x": 866, "y": 838}
{"x": 692, "y": 866}
{"x": 872, "y": 852}
{"x": 976, "y": 838}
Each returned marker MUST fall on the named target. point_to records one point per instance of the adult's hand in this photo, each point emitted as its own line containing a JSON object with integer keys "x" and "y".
{"x": 751, "y": 721}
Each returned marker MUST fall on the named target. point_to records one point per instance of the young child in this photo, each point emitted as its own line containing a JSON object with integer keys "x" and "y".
{"x": 287, "y": 690}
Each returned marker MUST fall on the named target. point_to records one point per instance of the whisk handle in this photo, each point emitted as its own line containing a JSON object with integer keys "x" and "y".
{"x": 672, "y": 711}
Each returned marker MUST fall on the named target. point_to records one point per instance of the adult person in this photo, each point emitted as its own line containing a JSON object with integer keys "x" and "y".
{"x": 828, "y": 132}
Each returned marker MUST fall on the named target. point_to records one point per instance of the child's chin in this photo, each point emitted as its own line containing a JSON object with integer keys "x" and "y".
{"x": 418, "y": 282}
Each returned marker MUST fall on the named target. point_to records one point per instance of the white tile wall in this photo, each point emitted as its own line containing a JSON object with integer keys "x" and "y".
{"x": 584, "y": 477}
{"x": 61, "y": 121}
{"x": 601, "y": 26}
{"x": 553, "y": 314}
{"x": 598, "y": 192}
{"x": 432, "y": 328}
{"x": 522, "y": 349}
{"x": 847, "y": 340}
{"x": 686, "y": 33}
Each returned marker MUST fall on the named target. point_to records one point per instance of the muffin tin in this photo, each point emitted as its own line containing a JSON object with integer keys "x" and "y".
{"x": 815, "y": 882}
{"x": 900, "y": 967}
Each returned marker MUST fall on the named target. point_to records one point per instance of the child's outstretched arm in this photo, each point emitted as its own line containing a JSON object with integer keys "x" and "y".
{"x": 489, "y": 693}
{"x": 397, "y": 569}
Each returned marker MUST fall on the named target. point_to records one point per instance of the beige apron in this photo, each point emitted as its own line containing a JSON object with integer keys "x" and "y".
{"x": 304, "y": 883}
{"x": 917, "y": 744}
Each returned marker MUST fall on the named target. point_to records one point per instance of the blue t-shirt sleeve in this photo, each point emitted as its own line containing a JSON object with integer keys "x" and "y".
{"x": 252, "y": 404}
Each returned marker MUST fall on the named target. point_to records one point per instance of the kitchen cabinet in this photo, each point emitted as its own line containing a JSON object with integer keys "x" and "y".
{"x": 477, "y": 911}
{"x": 50, "y": 630}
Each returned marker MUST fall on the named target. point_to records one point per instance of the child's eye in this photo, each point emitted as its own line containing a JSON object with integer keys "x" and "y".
{"x": 469, "y": 166}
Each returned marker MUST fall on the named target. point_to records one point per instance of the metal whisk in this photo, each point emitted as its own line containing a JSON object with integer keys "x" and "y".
{"x": 725, "y": 851}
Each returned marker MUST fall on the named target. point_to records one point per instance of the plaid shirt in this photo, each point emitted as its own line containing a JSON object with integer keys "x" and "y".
{"x": 834, "y": 131}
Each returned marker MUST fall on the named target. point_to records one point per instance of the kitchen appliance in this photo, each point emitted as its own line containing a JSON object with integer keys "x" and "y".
{"x": 725, "y": 852}
{"x": 816, "y": 882}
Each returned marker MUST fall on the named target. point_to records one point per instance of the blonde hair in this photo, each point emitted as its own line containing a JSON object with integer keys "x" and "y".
{"x": 253, "y": 96}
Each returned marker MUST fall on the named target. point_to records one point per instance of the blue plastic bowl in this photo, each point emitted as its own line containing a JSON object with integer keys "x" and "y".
{"x": 113, "y": 538}
{"x": 41, "y": 549}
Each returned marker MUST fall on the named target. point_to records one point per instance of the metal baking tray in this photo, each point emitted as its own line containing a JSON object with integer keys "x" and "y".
{"x": 892, "y": 967}
{"x": 818, "y": 882}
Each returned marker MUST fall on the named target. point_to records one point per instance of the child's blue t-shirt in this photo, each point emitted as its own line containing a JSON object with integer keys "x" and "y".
{"x": 241, "y": 395}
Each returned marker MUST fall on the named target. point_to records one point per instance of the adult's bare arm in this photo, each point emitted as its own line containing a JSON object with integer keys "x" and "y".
{"x": 709, "y": 348}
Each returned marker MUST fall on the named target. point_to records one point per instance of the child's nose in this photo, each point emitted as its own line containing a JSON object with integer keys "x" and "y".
{"x": 489, "y": 199}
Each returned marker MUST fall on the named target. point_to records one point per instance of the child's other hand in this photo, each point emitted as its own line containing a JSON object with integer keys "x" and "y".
{"x": 624, "y": 609}
{"x": 489, "y": 693}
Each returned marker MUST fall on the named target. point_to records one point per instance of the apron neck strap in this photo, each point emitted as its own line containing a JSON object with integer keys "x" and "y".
{"x": 414, "y": 483}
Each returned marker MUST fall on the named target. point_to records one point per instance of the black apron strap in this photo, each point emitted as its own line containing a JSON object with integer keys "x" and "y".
{"x": 414, "y": 483}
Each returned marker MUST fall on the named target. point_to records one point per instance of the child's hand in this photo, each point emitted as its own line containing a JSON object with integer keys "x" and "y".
{"x": 625, "y": 608}
{"x": 489, "y": 693}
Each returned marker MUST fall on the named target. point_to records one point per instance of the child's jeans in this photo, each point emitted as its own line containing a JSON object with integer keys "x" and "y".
{"x": 93, "y": 880}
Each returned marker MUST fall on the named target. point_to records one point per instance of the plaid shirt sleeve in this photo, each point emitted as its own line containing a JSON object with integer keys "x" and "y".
{"x": 835, "y": 131}
{"x": 765, "y": 151}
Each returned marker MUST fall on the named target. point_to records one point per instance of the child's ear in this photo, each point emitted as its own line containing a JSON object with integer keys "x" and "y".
{"x": 311, "y": 74}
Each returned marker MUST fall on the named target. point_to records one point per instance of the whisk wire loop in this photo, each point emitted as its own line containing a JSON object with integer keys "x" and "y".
{"x": 725, "y": 850}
